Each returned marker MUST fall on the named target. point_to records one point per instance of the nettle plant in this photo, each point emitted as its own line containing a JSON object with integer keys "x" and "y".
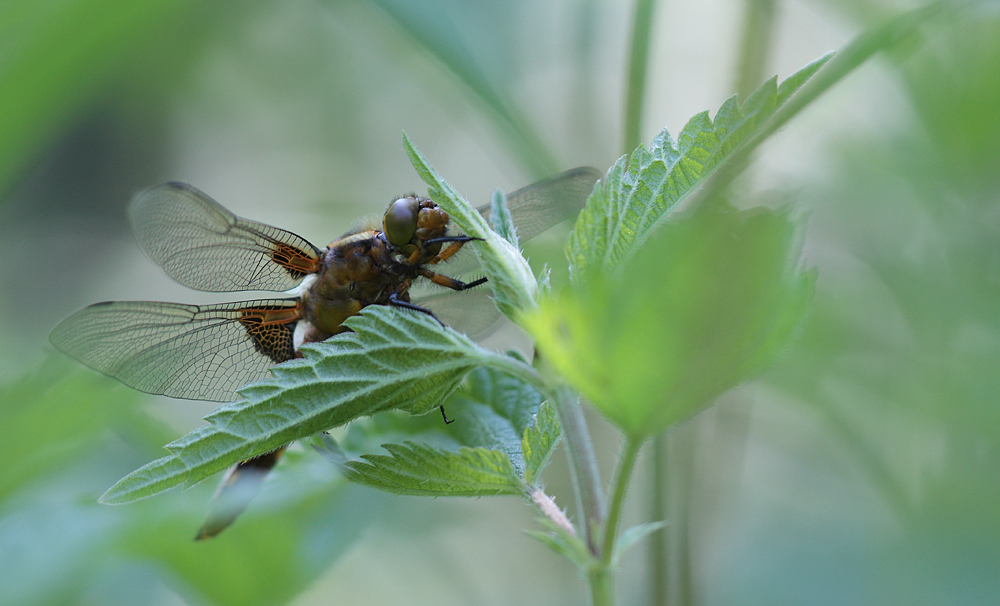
{"x": 665, "y": 311}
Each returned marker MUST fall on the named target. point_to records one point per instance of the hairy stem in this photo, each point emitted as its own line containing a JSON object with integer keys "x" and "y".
{"x": 582, "y": 464}
{"x": 546, "y": 506}
{"x": 624, "y": 472}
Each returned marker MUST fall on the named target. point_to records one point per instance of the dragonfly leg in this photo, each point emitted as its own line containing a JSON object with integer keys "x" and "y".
{"x": 455, "y": 244}
{"x": 447, "y": 421}
{"x": 396, "y": 300}
{"x": 449, "y": 282}
{"x": 458, "y": 239}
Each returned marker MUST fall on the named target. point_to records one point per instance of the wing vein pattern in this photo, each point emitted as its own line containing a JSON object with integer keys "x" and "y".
{"x": 199, "y": 352}
{"x": 204, "y": 246}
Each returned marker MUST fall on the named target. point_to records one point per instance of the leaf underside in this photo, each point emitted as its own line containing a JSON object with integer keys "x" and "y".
{"x": 501, "y": 439}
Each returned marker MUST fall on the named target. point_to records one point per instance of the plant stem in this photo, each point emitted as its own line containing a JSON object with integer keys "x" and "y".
{"x": 755, "y": 45}
{"x": 601, "y": 576}
{"x": 638, "y": 59}
{"x": 681, "y": 442}
{"x": 547, "y": 507}
{"x": 602, "y": 586}
{"x": 582, "y": 464}
{"x": 751, "y": 57}
{"x": 625, "y": 466}
{"x": 658, "y": 511}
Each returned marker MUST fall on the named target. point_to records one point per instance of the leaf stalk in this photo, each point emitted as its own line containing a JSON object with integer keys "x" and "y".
{"x": 622, "y": 476}
{"x": 601, "y": 575}
{"x": 547, "y": 507}
{"x": 582, "y": 464}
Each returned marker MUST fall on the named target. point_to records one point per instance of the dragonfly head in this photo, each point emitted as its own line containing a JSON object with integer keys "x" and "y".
{"x": 399, "y": 222}
{"x": 413, "y": 218}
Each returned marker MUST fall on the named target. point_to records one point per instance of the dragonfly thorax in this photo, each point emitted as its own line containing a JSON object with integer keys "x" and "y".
{"x": 355, "y": 271}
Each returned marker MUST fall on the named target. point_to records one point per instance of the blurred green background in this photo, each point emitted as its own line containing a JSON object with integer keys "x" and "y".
{"x": 861, "y": 469}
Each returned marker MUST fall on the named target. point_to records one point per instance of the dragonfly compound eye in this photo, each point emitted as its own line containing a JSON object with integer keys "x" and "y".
{"x": 400, "y": 221}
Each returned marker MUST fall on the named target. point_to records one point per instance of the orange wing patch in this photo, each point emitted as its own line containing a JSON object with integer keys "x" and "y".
{"x": 294, "y": 260}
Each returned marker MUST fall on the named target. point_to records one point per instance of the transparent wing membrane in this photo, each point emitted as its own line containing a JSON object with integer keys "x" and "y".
{"x": 205, "y": 352}
{"x": 199, "y": 352}
{"x": 536, "y": 208}
{"x": 539, "y": 206}
{"x": 204, "y": 246}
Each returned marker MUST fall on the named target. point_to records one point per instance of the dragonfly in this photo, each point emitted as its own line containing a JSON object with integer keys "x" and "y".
{"x": 206, "y": 352}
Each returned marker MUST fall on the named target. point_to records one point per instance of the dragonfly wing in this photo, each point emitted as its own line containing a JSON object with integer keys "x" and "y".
{"x": 539, "y": 206}
{"x": 204, "y": 246}
{"x": 198, "y": 352}
{"x": 534, "y": 209}
{"x": 470, "y": 311}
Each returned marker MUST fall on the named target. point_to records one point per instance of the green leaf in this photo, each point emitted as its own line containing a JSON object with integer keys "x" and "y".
{"x": 632, "y": 536}
{"x": 708, "y": 303}
{"x": 514, "y": 286}
{"x": 416, "y": 469}
{"x": 152, "y": 478}
{"x": 368, "y": 435}
{"x": 479, "y": 454}
{"x": 393, "y": 359}
{"x": 635, "y": 197}
{"x": 794, "y": 82}
{"x": 540, "y": 441}
{"x": 563, "y": 543}
{"x": 500, "y": 218}
{"x": 494, "y": 410}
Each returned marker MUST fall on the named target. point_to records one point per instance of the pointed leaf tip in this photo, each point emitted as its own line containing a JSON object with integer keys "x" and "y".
{"x": 639, "y": 191}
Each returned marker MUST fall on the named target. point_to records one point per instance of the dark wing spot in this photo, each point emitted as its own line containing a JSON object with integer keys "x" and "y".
{"x": 274, "y": 340}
